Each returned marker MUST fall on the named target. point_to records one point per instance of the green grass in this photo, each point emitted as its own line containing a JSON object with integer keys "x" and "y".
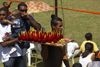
{"x": 76, "y": 24}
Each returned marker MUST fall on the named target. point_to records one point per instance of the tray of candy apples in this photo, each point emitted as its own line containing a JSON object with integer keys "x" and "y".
{"x": 42, "y": 37}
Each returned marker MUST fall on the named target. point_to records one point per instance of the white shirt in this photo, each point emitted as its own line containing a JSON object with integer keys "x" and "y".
{"x": 94, "y": 64}
{"x": 4, "y": 51}
{"x": 17, "y": 22}
{"x": 86, "y": 60}
{"x": 71, "y": 46}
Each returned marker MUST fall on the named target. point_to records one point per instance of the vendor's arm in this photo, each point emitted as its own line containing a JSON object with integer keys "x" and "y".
{"x": 66, "y": 62}
{"x": 44, "y": 52}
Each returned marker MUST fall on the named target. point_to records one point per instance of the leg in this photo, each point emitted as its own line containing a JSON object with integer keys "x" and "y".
{"x": 65, "y": 60}
{"x": 25, "y": 60}
{"x": 19, "y": 62}
{"x": 10, "y": 62}
{"x": 63, "y": 65}
{"x": 76, "y": 53}
{"x": 29, "y": 57}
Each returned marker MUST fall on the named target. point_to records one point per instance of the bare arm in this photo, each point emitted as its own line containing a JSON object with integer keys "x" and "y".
{"x": 9, "y": 22}
{"x": 44, "y": 52}
{"x": 66, "y": 62}
{"x": 93, "y": 57}
{"x": 10, "y": 3}
{"x": 9, "y": 43}
{"x": 35, "y": 25}
{"x": 80, "y": 52}
{"x": 7, "y": 38}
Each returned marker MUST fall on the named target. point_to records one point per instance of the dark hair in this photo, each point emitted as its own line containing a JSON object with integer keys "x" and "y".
{"x": 16, "y": 11}
{"x": 4, "y": 9}
{"x": 21, "y": 4}
{"x": 96, "y": 54}
{"x": 54, "y": 20}
{"x": 88, "y": 36}
{"x": 88, "y": 48}
{"x": 77, "y": 65}
{"x": 4, "y": 3}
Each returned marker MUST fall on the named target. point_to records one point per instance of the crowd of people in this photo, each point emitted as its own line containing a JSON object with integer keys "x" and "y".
{"x": 13, "y": 51}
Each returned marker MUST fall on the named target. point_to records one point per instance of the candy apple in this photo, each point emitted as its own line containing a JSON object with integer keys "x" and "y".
{"x": 19, "y": 38}
{"x": 35, "y": 38}
{"x": 39, "y": 40}
{"x": 55, "y": 40}
{"x": 44, "y": 40}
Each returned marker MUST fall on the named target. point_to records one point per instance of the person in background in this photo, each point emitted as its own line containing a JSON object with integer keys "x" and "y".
{"x": 53, "y": 55}
{"x": 9, "y": 60}
{"x": 77, "y": 65}
{"x": 89, "y": 38}
{"x": 6, "y": 5}
{"x": 73, "y": 49}
{"x": 96, "y": 62}
{"x": 87, "y": 56}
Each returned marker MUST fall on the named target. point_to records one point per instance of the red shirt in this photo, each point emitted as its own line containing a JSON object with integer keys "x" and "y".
{"x": 8, "y": 8}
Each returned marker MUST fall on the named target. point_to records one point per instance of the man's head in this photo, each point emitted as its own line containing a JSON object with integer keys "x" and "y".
{"x": 22, "y": 7}
{"x": 88, "y": 36}
{"x": 15, "y": 14}
{"x": 3, "y": 14}
{"x": 5, "y": 4}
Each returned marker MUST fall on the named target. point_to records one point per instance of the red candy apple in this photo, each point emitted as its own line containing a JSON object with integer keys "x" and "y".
{"x": 55, "y": 40}
{"x": 39, "y": 40}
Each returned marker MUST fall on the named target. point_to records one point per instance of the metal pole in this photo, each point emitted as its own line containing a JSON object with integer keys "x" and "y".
{"x": 56, "y": 7}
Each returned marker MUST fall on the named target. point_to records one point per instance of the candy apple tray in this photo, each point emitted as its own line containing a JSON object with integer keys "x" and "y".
{"x": 60, "y": 43}
{"x": 46, "y": 38}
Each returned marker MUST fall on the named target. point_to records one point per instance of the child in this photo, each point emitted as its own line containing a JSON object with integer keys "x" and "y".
{"x": 15, "y": 24}
{"x": 6, "y": 5}
{"x": 89, "y": 38}
{"x": 87, "y": 56}
{"x": 15, "y": 20}
{"x": 77, "y": 65}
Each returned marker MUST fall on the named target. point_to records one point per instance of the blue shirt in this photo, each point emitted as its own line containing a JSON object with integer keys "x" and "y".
{"x": 25, "y": 24}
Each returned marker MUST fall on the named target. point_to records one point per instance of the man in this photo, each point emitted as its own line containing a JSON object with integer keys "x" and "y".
{"x": 9, "y": 60}
{"x": 26, "y": 22}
